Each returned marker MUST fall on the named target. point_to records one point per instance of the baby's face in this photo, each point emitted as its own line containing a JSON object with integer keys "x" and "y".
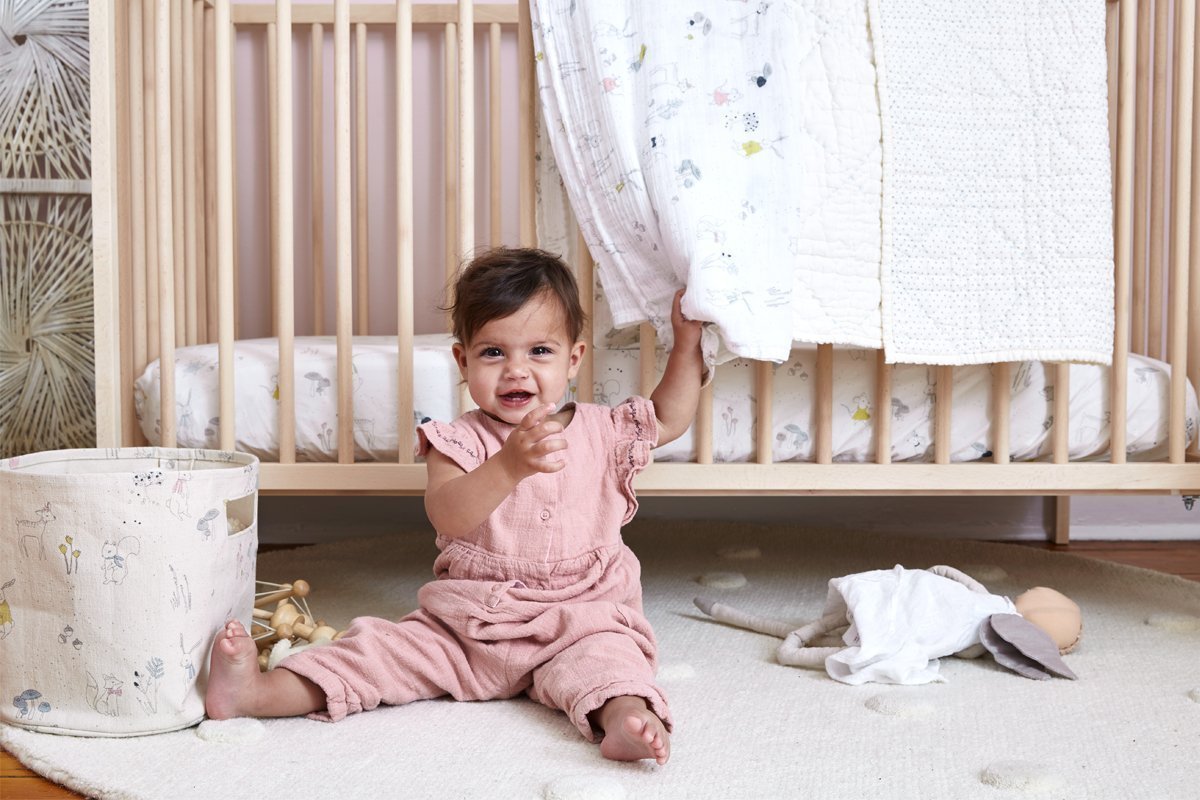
{"x": 520, "y": 362}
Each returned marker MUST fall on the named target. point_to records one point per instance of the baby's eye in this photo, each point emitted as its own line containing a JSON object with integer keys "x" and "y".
{"x": 542, "y": 350}
{"x": 491, "y": 352}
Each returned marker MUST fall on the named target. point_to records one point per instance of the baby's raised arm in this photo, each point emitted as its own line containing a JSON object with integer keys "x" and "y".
{"x": 457, "y": 502}
{"x": 678, "y": 393}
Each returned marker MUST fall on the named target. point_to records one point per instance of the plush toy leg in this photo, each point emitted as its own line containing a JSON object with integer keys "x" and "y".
{"x": 795, "y": 650}
{"x": 733, "y": 616}
{"x": 793, "y": 653}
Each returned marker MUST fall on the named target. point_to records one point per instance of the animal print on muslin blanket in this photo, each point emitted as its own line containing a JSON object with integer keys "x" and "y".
{"x": 732, "y": 149}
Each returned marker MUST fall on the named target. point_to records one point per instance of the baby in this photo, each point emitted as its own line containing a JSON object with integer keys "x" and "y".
{"x": 536, "y": 593}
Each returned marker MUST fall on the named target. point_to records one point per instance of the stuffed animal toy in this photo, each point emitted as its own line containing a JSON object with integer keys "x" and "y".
{"x": 895, "y": 624}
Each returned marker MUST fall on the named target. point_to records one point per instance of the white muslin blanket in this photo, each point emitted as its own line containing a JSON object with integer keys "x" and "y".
{"x": 902, "y": 621}
{"x": 997, "y": 210}
{"x": 927, "y": 176}
{"x": 732, "y": 148}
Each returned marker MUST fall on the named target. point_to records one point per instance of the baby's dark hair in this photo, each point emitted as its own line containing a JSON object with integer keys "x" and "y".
{"x": 499, "y": 281}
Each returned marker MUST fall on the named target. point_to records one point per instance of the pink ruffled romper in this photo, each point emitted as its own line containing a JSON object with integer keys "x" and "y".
{"x": 543, "y": 598}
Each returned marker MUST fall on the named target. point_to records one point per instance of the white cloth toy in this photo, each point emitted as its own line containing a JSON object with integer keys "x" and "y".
{"x": 895, "y": 624}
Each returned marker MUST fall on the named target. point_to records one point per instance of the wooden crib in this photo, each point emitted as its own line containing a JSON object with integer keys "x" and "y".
{"x": 164, "y": 161}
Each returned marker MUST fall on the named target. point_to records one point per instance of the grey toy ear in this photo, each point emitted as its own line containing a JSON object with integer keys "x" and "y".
{"x": 1021, "y": 646}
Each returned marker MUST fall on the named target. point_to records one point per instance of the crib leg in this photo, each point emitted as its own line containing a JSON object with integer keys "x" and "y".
{"x": 1060, "y": 531}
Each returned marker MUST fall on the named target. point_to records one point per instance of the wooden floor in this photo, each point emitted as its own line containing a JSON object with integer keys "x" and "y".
{"x": 1176, "y": 558}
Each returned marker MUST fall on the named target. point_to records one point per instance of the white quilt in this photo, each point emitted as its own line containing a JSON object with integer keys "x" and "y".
{"x": 997, "y": 213}
{"x": 617, "y": 373}
{"x": 729, "y": 147}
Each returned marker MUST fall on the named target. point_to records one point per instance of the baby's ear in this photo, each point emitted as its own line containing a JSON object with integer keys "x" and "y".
{"x": 577, "y": 351}
{"x": 460, "y": 356}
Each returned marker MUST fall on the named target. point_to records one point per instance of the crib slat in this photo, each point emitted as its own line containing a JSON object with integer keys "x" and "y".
{"x": 317, "y": 170}
{"x": 647, "y": 358}
{"x": 107, "y": 53}
{"x": 450, "y": 153}
{"x": 527, "y": 123}
{"x": 126, "y": 416}
{"x": 586, "y": 275}
{"x": 1141, "y": 178}
{"x": 237, "y": 256}
{"x": 1185, "y": 29}
{"x": 166, "y": 243}
{"x": 362, "y": 271}
{"x": 1124, "y": 210}
{"x": 137, "y": 170}
{"x": 704, "y": 426}
{"x": 883, "y": 409}
{"x": 1001, "y": 412}
{"x": 764, "y": 397}
{"x": 150, "y": 115}
{"x": 943, "y": 409}
{"x": 211, "y": 212}
{"x": 1193, "y": 317}
{"x": 188, "y": 169}
{"x": 285, "y": 298}
{"x": 495, "y": 140}
{"x": 1062, "y": 413}
{"x": 342, "y": 239}
{"x": 1158, "y": 184}
{"x": 223, "y": 136}
{"x": 272, "y": 187}
{"x": 453, "y": 138}
{"x": 199, "y": 78}
{"x": 1192, "y": 326}
{"x": 466, "y": 128}
{"x": 824, "y": 404}
{"x": 404, "y": 229}
{"x": 179, "y": 280}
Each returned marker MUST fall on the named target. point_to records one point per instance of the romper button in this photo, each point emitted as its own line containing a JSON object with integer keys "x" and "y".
{"x": 545, "y": 514}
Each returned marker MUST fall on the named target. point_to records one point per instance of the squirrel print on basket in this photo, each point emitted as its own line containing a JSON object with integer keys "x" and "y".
{"x": 116, "y": 557}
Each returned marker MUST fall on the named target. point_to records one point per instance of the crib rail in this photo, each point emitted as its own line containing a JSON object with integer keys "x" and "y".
{"x": 167, "y": 226}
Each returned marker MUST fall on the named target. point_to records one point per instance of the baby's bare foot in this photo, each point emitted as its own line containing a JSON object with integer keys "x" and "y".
{"x": 233, "y": 674}
{"x": 632, "y": 731}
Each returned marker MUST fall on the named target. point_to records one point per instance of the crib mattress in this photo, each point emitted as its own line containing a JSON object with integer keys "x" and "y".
{"x": 616, "y": 376}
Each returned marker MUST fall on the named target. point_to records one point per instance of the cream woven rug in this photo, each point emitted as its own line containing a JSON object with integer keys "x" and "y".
{"x": 746, "y": 726}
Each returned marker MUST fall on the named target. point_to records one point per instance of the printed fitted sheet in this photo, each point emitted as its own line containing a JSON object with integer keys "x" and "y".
{"x": 616, "y": 376}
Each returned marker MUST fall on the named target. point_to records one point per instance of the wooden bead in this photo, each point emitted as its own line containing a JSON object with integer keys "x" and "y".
{"x": 297, "y": 588}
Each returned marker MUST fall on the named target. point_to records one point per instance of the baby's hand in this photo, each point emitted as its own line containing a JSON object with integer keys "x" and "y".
{"x": 686, "y": 331}
{"x": 531, "y": 446}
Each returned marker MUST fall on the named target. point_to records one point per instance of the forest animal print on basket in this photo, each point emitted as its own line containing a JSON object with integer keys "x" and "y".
{"x": 105, "y": 699}
{"x": 33, "y": 531}
{"x": 6, "y": 617}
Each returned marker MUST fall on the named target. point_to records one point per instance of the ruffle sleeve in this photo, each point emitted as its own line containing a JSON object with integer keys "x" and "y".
{"x": 460, "y": 445}
{"x": 635, "y": 434}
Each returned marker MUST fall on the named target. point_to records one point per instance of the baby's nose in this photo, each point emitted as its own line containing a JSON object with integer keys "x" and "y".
{"x": 516, "y": 369}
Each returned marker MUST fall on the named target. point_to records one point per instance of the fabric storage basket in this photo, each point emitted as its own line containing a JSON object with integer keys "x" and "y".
{"x": 117, "y": 569}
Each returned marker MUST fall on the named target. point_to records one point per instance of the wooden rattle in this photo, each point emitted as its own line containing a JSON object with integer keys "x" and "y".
{"x": 313, "y": 633}
{"x": 285, "y": 614}
{"x": 286, "y": 591}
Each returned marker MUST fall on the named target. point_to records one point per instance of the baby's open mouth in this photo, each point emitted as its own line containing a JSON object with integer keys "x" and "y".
{"x": 516, "y": 397}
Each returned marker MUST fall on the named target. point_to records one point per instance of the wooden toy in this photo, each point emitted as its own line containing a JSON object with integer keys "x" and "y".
{"x": 290, "y": 619}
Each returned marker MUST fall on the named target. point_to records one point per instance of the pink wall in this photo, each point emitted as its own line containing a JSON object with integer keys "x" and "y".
{"x": 252, "y": 178}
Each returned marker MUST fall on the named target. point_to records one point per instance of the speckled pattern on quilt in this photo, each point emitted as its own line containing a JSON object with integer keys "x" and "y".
{"x": 997, "y": 213}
